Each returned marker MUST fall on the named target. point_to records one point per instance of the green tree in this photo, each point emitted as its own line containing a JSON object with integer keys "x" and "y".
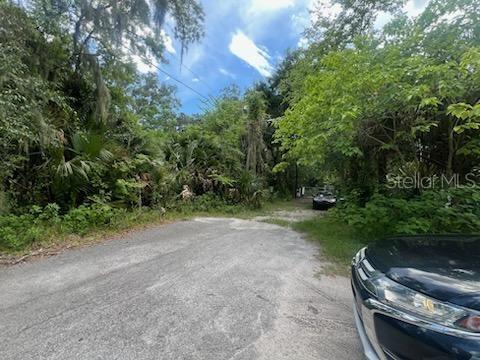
{"x": 75, "y": 116}
{"x": 256, "y": 150}
{"x": 389, "y": 102}
{"x": 349, "y": 20}
{"x": 155, "y": 103}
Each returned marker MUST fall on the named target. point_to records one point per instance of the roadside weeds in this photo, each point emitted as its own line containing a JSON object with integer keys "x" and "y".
{"x": 58, "y": 240}
{"x": 338, "y": 242}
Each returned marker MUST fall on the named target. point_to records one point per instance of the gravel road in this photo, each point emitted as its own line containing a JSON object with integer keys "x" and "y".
{"x": 201, "y": 289}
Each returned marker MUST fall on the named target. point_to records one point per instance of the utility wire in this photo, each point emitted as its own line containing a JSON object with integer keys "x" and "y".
{"x": 211, "y": 50}
{"x": 206, "y": 99}
{"x": 147, "y": 61}
{"x": 192, "y": 72}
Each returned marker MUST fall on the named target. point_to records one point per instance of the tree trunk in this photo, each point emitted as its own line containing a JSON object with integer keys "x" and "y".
{"x": 451, "y": 151}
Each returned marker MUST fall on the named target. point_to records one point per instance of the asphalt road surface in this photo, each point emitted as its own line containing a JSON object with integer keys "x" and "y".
{"x": 201, "y": 289}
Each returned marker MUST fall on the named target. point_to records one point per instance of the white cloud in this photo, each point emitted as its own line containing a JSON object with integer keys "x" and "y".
{"x": 308, "y": 13}
{"x": 195, "y": 79}
{"x": 144, "y": 64}
{"x": 415, "y": 7}
{"x": 383, "y": 18}
{"x": 145, "y": 32}
{"x": 259, "y": 6}
{"x": 244, "y": 48}
{"x": 225, "y": 72}
{"x": 449, "y": 17}
{"x": 257, "y": 15}
{"x": 303, "y": 42}
{"x": 328, "y": 9}
{"x": 299, "y": 21}
{"x": 194, "y": 55}
{"x": 168, "y": 42}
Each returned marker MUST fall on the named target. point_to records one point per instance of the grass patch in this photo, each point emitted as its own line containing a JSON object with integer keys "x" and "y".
{"x": 338, "y": 240}
{"x": 53, "y": 235}
{"x": 44, "y": 231}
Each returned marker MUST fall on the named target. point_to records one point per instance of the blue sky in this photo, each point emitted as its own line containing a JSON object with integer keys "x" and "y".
{"x": 243, "y": 42}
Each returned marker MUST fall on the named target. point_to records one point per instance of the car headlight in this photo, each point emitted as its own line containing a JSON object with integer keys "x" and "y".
{"x": 432, "y": 310}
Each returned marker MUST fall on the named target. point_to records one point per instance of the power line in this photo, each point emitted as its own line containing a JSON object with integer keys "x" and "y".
{"x": 179, "y": 81}
{"x": 180, "y": 61}
{"x": 192, "y": 72}
{"x": 206, "y": 98}
{"x": 147, "y": 61}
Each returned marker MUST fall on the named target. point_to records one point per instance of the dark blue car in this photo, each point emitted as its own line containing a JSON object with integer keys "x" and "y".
{"x": 419, "y": 298}
{"x": 324, "y": 201}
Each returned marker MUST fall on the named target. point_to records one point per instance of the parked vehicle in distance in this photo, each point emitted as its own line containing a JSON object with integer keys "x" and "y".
{"x": 418, "y": 297}
{"x": 324, "y": 201}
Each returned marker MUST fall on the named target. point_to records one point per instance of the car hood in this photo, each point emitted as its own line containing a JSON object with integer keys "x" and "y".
{"x": 324, "y": 198}
{"x": 444, "y": 267}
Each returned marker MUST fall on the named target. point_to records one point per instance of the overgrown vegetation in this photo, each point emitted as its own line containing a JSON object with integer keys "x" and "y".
{"x": 453, "y": 210}
{"x": 46, "y": 227}
{"x": 339, "y": 242}
{"x": 86, "y": 140}
{"x": 374, "y": 110}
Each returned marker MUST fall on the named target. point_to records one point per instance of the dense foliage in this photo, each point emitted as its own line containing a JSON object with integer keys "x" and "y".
{"x": 369, "y": 106}
{"x": 85, "y": 138}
